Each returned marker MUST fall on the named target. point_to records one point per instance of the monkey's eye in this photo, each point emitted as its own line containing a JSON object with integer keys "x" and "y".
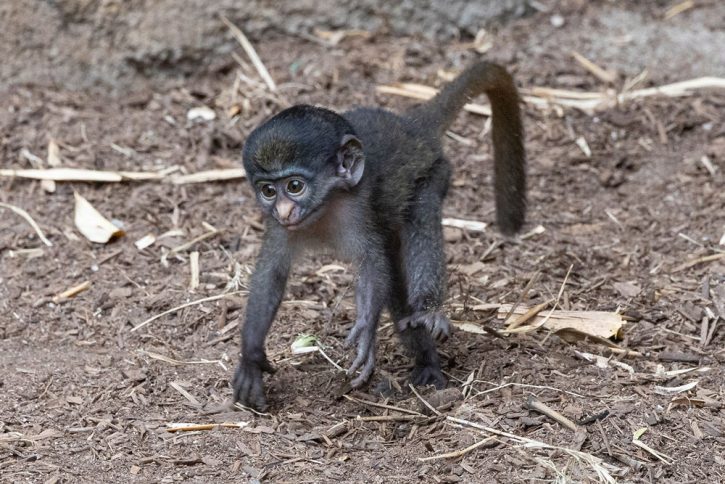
{"x": 295, "y": 187}
{"x": 268, "y": 191}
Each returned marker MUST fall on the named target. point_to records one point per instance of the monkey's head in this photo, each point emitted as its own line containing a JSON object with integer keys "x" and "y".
{"x": 298, "y": 160}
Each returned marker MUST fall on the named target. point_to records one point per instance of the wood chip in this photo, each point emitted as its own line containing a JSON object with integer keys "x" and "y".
{"x": 194, "y": 269}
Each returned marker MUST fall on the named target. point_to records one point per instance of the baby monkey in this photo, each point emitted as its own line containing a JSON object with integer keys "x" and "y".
{"x": 368, "y": 184}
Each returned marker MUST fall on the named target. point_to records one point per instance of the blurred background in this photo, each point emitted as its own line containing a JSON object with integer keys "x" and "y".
{"x": 82, "y": 43}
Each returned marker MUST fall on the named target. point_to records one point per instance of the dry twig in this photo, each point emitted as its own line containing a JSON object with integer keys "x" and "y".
{"x": 30, "y": 221}
{"x": 251, "y": 52}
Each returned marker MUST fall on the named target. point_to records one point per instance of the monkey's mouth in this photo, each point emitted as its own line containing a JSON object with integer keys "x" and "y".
{"x": 305, "y": 220}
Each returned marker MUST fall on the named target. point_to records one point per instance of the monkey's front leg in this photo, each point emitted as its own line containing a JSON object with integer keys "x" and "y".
{"x": 370, "y": 297}
{"x": 267, "y": 288}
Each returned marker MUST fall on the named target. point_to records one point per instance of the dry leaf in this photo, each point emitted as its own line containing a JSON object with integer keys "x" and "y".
{"x": 680, "y": 389}
{"x": 94, "y": 226}
{"x": 627, "y": 289}
{"x": 602, "y": 324}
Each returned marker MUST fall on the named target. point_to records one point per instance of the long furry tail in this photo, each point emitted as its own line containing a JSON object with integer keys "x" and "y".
{"x": 508, "y": 133}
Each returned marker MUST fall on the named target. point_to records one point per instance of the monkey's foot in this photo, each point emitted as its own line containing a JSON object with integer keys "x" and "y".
{"x": 248, "y": 385}
{"x": 362, "y": 335}
{"x": 435, "y": 322}
{"x": 428, "y": 375}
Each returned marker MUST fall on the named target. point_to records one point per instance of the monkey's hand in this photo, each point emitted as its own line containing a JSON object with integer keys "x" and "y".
{"x": 362, "y": 334}
{"x": 248, "y": 386}
{"x": 435, "y": 322}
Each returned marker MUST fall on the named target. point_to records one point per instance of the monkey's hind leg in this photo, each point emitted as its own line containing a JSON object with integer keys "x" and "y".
{"x": 418, "y": 341}
{"x": 423, "y": 258}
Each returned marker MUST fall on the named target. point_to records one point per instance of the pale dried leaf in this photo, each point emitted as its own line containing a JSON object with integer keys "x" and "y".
{"x": 680, "y": 389}
{"x": 627, "y": 289}
{"x": 602, "y": 324}
{"x": 94, "y": 226}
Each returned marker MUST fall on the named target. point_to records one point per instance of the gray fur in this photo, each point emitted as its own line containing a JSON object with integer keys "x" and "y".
{"x": 374, "y": 185}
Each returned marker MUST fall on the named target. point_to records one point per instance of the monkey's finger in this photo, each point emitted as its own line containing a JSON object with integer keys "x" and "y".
{"x": 440, "y": 333}
{"x": 365, "y": 353}
{"x": 354, "y": 335}
{"x": 357, "y": 363}
{"x": 366, "y": 371}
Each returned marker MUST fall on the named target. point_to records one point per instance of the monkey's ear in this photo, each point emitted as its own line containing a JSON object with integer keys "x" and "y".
{"x": 350, "y": 160}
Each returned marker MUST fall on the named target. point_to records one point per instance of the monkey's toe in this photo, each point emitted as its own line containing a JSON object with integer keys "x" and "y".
{"x": 437, "y": 323}
{"x": 428, "y": 375}
{"x": 248, "y": 384}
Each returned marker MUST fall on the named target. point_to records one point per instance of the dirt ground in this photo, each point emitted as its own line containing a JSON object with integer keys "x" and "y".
{"x": 83, "y": 398}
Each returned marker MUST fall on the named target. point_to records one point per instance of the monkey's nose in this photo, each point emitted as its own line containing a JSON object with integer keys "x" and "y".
{"x": 284, "y": 208}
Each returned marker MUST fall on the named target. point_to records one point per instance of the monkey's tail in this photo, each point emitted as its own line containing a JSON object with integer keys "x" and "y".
{"x": 507, "y": 131}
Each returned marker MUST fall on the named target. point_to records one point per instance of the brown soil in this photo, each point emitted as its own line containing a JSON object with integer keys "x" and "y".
{"x": 85, "y": 399}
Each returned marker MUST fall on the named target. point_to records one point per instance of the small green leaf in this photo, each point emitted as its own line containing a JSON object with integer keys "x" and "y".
{"x": 639, "y": 433}
{"x": 305, "y": 343}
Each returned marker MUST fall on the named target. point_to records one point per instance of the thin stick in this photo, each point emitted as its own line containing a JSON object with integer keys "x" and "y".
{"x": 679, "y": 8}
{"x": 593, "y": 461}
{"x": 249, "y": 49}
{"x": 659, "y": 455}
{"x": 526, "y": 329}
{"x": 528, "y": 314}
{"x": 523, "y": 385}
{"x": 699, "y": 260}
{"x": 388, "y": 418}
{"x": 192, "y": 242}
{"x": 458, "y": 453}
{"x": 184, "y": 427}
{"x": 521, "y": 297}
{"x": 430, "y": 407}
{"x": 173, "y": 361}
{"x": 186, "y": 305}
{"x": 73, "y": 291}
{"x": 537, "y": 406}
{"x": 30, "y": 221}
{"x": 332, "y": 362}
{"x": 601, "y": 74}
{"x": 185, "y": 394}
{"x": 383, "y": 406}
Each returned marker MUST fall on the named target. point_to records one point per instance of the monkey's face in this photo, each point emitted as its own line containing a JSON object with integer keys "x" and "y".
{"x": 299, "y": 160}
{"x": 291, "y": 200}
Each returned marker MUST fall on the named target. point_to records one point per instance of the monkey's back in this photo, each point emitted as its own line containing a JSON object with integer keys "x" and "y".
{"x": 400, "y": 154}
